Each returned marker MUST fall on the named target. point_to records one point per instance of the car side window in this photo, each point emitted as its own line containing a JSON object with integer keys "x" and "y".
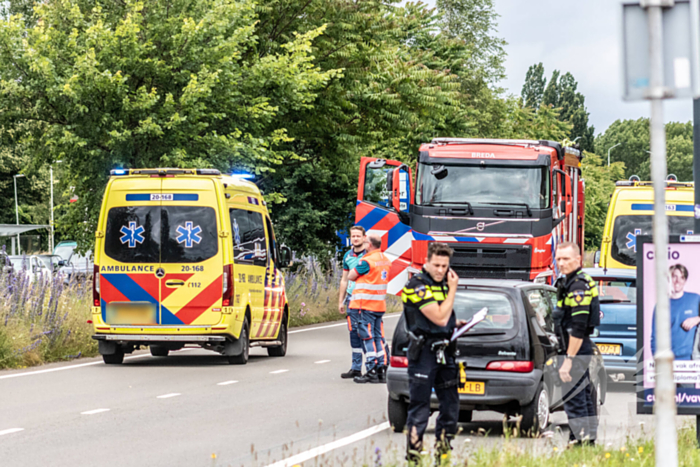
{"x": 542, "y": 304}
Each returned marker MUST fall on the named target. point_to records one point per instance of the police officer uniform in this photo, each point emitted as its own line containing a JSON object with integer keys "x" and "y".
{"x": 578, "y": 314}
{"x": 430, "y": 365}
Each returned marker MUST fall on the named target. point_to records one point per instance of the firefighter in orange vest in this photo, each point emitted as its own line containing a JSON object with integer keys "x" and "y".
{"x": 371, "y": 276}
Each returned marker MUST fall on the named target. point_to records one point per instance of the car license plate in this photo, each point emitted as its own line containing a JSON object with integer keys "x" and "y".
{"x": 610, "y": 349}
{"x": 142, "y": 313}
{"x": 473, "y": 387}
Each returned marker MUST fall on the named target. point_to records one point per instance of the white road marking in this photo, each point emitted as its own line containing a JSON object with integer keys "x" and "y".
{"x": 168, "y": 396}
{"x": 146, "y": 355}
{"x": 71, "y": 367}
{"x": 322, "y": 361}
{"x": 10, "y": 431}
{"x": 276, "y": 372}
{"x": 93, "y": 412}
{"x": 315, "y": 452}
{"x": 226, "y": 383}
{"x": 392, "y": 315}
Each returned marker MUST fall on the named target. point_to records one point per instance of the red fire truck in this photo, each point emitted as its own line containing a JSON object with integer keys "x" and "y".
{"x": 503, "y": 205}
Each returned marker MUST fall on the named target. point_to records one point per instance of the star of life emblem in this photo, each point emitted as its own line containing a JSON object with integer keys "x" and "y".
{"x": 189, "y": 234}
{"x": 132, "y": 234}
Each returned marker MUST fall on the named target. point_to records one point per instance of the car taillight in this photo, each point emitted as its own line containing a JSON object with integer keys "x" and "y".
{"x": 399, "y": 362}
{"x": 96, "y": 286}
{"x": 228, "y": 286}
{"x": 517, "y": 367}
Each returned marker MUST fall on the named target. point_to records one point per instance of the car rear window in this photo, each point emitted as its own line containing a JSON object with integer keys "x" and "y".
{"x": 500, "y": 311}
{"x": 617, "y": 290}
{"x": 167, "y": 234}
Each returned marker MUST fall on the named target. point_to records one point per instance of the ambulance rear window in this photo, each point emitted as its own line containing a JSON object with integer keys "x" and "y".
{"x": 133, "y": 234}
{"x": 627, "y": 228}
{"x": 190, "y": 234}
{"x": 155, "y": 234}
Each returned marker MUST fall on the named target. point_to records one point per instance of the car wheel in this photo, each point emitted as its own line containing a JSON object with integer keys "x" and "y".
{"x": 465, "y": 416}
{"x": 280, "y": 350}
{"x": 242, "y": 358}
{"x": 116, "y": 358}
{"x": 535, "y": 415}
{"x": 158, "y": 350}
{"x": 398, "y": 413}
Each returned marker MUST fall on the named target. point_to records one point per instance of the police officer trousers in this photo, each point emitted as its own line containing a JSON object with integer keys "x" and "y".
{"x": 579, "y": 403}
{"x": 425, "y": 374}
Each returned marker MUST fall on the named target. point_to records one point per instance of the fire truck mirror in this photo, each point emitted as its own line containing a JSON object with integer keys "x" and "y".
{"x": 378, "y": 164}
{"x": 390, "y": 182}
{"x": 439, "y": 171}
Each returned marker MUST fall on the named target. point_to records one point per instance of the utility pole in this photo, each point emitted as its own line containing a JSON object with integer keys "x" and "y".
{"x": 665, "y": 393}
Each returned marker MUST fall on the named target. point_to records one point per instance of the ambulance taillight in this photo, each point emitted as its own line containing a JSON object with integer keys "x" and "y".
{"x": 96, "y": 286}
{"x": 228, "y": 286}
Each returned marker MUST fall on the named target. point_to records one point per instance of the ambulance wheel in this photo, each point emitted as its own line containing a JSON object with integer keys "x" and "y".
{"x": 398, "y": 414}
{"x": 114, "y": 359}
{"x": 242, "y": 358}
{"x": 159, "y": 350}
{"x": 280, "y": 350}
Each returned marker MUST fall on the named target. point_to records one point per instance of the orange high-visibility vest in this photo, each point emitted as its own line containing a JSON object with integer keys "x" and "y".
{"x": 370, "y": 289}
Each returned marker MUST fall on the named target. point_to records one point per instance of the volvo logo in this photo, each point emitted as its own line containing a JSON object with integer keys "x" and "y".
{"x": 481, "y": 226}
{"x": 160, "y": 273}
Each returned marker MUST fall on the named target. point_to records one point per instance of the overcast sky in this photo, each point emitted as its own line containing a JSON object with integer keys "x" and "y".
{"x": 581, "y": 37}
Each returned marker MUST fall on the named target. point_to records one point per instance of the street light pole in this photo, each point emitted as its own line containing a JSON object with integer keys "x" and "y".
{"x": 51, "y": 239}
{"x": 665, "y": 392}
{"x": 14, "y": 178}
{"x": 610, "y": 149}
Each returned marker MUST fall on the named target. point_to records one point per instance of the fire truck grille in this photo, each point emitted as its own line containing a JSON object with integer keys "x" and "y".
{"x": 492, "y": 261}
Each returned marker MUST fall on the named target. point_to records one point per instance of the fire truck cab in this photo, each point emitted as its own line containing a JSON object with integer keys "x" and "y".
{"x": 503, "y": 205}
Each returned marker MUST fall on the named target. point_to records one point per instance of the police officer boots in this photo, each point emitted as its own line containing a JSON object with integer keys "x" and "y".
{"x": 370, "y": 377}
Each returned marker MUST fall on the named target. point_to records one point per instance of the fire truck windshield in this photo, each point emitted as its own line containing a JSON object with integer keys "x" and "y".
{"x": 485, "y": 185}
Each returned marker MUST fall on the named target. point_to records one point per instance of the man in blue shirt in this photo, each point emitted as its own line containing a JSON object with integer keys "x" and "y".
{"x": 685, "y": 309}
{"x": 350, "y": 260}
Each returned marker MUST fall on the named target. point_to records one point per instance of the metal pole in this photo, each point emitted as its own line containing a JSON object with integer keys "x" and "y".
{"x": 14, "y": 177}
{"x": 696, "y": 160}
{"x": 665, "y": 392}
{"x": 610, "y": 149}
{"x": 51, "y": 220}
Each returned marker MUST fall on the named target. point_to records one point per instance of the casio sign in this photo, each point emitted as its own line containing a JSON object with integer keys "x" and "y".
{"x": 483, "y": 155}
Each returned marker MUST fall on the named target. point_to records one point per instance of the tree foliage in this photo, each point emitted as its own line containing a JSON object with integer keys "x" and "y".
{"x": 633, "y": 136}
{"x": 600, "y": 181}
{"x": 560, "y": 93}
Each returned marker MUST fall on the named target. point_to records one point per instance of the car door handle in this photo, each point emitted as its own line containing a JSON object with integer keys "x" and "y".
{"x": 173, "y": 284}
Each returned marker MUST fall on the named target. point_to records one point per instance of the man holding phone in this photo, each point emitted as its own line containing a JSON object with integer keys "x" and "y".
{"x": 428, "y": 299}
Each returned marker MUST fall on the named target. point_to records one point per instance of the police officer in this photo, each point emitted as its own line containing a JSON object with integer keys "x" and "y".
{"x": 577, "y": 316}
{"x": 428, "y": 298}
{"x": 350, "y": 260}
{"x": 371, "y": 276}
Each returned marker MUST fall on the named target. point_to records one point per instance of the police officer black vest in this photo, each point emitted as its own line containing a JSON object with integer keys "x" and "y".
{"x": 421, "y": 290}
{"x": 584, "y": 294}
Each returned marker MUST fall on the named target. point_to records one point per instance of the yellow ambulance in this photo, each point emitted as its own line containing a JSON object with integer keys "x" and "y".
{"x": 187, "y": 257}
{"x": 630, "y": 215}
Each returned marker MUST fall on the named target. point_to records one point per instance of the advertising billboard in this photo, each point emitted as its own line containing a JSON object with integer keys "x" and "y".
{"x": 683, "y": 277}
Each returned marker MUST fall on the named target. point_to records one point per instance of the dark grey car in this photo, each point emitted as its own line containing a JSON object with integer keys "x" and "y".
{"x": 507, "y": 362}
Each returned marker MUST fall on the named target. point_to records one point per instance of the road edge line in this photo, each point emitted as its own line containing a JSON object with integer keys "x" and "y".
{"x": 315, "y": 452}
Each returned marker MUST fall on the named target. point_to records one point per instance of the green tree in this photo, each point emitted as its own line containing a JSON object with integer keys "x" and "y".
{"x": 633, "y": 139}
{"x": 101, "y": 84}
{"x": 551, "y": 94}
{"x": 600, "y": 183}
{"x": 533, "y": 89}
{"x": 404, "y": 81}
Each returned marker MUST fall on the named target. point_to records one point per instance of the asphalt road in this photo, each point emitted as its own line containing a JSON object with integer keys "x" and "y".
{"x": 193, "y": 409}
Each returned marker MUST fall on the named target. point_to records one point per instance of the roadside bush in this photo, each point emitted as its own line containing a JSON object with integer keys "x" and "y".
{"x": 312, "y": 293}
{"x": 43, "y": 320}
